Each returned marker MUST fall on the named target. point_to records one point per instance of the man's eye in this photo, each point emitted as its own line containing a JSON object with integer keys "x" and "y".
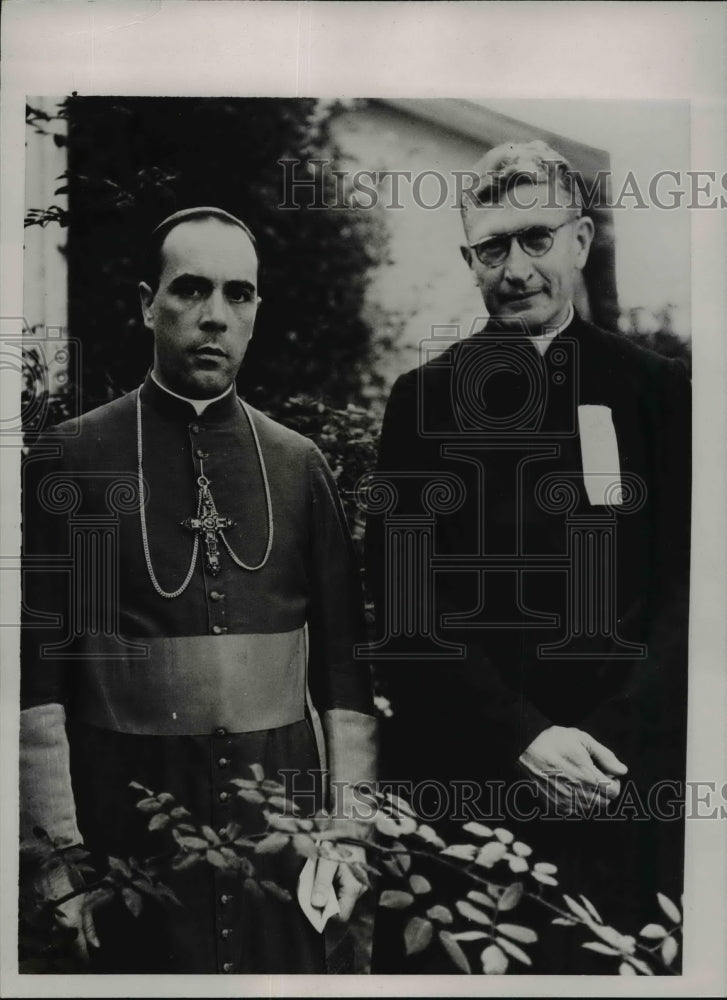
{"x": 239, "y": 293}
{"x": 189, "y": 289}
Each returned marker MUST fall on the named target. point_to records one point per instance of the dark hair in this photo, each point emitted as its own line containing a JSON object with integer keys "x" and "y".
{"x": 152, "y": 258}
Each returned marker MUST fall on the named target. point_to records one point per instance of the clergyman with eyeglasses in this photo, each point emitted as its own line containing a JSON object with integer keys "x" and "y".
{"x": 541, "y": 468}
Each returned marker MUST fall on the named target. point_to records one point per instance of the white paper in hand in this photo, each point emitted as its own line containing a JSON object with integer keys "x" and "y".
{"x": 318, "y": 917}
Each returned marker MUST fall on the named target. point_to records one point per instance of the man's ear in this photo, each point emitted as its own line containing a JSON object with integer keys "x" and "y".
{"x": 466, "y": 255}
{"x": 584, "y": 236}
{"x": 147, "y": 300}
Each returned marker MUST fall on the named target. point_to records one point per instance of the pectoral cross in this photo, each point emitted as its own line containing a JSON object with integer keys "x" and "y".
{"x": 208, "y": 523}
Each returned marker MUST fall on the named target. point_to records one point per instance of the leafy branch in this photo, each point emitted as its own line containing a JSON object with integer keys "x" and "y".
{"x": 479, "y": 920}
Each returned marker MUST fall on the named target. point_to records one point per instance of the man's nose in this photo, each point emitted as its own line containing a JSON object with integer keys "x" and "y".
{"x": 214, "y": 312}
{"x": 518, "y": 264}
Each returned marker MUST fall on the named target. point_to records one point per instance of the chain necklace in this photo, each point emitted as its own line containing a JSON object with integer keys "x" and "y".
{"x": 206, "y": 522}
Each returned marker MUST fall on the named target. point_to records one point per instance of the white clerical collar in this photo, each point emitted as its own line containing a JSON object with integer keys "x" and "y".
{"x": 543, "y": 340}
{"x": 200, "y": 405}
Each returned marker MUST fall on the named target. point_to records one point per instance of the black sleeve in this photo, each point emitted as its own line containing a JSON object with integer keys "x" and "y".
{"x": 339, "y": 679}
{"x": 645, "y": 722}
{"x": 46, "y": 492}
{"x": 458, "y": 698}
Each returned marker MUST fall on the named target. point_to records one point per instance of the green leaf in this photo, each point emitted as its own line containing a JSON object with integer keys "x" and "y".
{"x": 470, "y": 912}
{"x": 454, "y": 951}
{"x": 304, "y": 845}
{"x": 251, "y": 887}
{"x": 481, "y": 897}
{"x": 210, "y": 835}
{"x": 591, "y": 909}
{"x": 150, "y": 805}
{"x": 669, "y": 950}
{"x": 179, "y": 812}
{"x": 283, "y": 804}
{"x": 545, "y": 868}
{"x": 217, "y": 859}
{"x": 166, "y": 895}
{"x": 464, "y": 852}
{"x": 638, "y": 964}
{"x": 669, "y": 908}
{"x": 400, "y": 805}
{"x": 522, "y": 850}
{"x": 511, "y": 896}
{"x": 132, "y": 899}
{"x": 478, "y": 829}
{"x": 257, "y": 772}
{"x": 525, "y": 935}
{"x": 272, "y": 844}
{"x": 430, "y": 836}
{"x": 395, "y": 899}
{"x": 166, "y": 798}
{"x": 503, "y": 835}
{"x": 580, "y": 911}
{"x": 604, "y": 949}
{"x": 417, "y": 935}
{"x": 391, "y": 826}
{"x": 278, "y": 822}
{"x": 512, "y": 949}
{"x": 491, "y": 853}
{"x": 193, "y": 843}
{"x": 119, "y": 865}
{"x": 180, "y": 862}
{"x": 518, "y": 865}
{"x": 276, "y": 890}
{"x": 140, "y": 788}
{"x": 253, "y": 796}
{"x": 440, "y": 913}
{"x": 564, "y": 922}
{"x": 159, "y": 821}
{"x": 273, "y": 787}
{"x": 419, "y": 885}
{"x": 625, "y": 969}
{"x": 494, "y": 961}
{"x": 247, "y": 783}
{"x": 545, "y": 879}
{"x": 470, "y": 935}
{"x": 654, "y": 931}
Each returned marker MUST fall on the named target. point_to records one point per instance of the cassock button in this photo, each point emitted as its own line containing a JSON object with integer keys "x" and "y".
{"x": 201, "y": 453}
{"x": 221, "y": 731}
{"x": 223, "y": 762}
{"x": 226, "y": 898}
{"x": 224, "y": 796}
{"x": 215, "y": 595}
{"x": 228, "y": 967}
{"x": 194, "y": 428}
{"x": 225, "y": 933}
{"x": 218, "y": 630}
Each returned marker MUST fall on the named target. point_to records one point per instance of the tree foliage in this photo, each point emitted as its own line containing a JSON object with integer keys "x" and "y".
{"x": 133, "y": 161}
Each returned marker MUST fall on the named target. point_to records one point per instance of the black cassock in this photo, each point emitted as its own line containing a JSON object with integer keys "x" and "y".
{"x": 563, "y": 581}
{"x": 244, "y": 666}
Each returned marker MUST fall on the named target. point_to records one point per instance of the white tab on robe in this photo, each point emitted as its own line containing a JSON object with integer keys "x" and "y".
{"x": 599, "y": 454}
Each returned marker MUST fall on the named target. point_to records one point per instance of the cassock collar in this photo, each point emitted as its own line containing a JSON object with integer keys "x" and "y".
{"x": 548, "y": 334}
{"x": 175, "y": 407}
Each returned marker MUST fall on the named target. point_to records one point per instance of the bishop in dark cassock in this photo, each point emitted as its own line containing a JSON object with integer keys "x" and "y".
{"x": 207, "y": 606}
{"x": 528, "y": 550}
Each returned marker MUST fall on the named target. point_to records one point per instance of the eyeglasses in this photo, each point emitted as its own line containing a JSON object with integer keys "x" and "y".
{"x": 535, "y": 241}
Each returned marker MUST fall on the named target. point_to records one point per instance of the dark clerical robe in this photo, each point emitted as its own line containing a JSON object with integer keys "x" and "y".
{"x": 181, "y": 693}
{"x": 528, "y": 551}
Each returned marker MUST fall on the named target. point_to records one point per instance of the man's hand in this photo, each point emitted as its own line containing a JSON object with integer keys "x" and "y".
{"x": 332, "y": 874}
{"x": 574, "y": 756}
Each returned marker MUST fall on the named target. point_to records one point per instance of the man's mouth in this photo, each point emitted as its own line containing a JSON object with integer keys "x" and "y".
{"x": 209, "y": 351}
{"x": 523, "y": 296}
